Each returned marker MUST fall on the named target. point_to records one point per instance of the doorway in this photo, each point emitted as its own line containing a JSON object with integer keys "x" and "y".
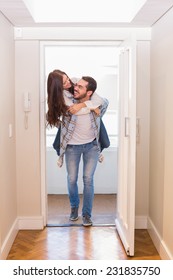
{"x": 100, "y": 60}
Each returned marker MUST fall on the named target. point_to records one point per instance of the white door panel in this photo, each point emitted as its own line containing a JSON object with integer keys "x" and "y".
{"x": 125, "y": 220}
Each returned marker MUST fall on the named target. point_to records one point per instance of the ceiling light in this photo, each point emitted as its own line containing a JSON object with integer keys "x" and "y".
{"x": 83, "y": 10}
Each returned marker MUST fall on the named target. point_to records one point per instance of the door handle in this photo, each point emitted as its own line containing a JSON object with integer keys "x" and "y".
{"x": 126, "y": 127}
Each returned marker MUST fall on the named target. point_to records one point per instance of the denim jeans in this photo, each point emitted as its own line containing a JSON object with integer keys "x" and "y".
{"x": 73, "y": 155}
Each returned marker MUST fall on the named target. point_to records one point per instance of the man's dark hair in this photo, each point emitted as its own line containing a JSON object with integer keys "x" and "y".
{"x": 92, "y": 84}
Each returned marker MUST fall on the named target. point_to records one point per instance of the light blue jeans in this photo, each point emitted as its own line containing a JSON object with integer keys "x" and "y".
{"x": 73, "y": 155}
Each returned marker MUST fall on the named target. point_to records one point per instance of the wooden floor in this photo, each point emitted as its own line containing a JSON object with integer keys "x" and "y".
{"x": 99, "y": 242}
{"x": 79, "y": 243}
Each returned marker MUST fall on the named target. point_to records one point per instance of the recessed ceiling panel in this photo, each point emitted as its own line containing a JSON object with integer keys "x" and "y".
{"x": 83, "y": 11}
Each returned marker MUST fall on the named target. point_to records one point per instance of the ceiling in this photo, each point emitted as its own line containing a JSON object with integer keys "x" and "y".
{"x": 16, "y": 12}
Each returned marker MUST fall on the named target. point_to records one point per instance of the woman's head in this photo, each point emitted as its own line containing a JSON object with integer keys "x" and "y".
{"x": 67, "y": 83}
{"x": 55, "y": 101}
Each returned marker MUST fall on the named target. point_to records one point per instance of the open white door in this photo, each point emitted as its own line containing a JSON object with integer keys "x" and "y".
{"x": 125, "y": 220}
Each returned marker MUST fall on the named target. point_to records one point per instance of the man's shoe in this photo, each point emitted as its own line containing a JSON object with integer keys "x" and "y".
{"x": 74, "y": 214}
{"x": 87, "y": 221}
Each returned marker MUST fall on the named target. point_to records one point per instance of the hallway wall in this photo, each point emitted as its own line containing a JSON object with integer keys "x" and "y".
{"x": 27, "y": 78}
{"x": 143, "y": 128}
{"x": 8, "y": 191}
{"x": 161, "y": 136}
{"x": 27, "y": 135}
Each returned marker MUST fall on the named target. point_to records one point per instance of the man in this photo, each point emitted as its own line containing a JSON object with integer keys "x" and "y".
{"x": 80, "y": 137}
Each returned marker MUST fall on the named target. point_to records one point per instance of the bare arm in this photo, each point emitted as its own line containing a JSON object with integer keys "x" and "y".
{"x": 94, "y": 102}
{"x": 75, "y": 108}
{"x": 85, "y": 107}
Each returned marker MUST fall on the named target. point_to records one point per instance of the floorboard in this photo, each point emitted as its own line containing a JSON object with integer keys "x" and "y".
{"x": 79, "y": 243}
{"x": 99, "y": 242}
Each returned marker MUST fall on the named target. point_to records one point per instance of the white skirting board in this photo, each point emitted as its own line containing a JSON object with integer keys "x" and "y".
{"x": 35, "y": 222}
{"x": 158, "y": 242}
{"x": 21, "y": 223}
{"x": 6, "y": 246}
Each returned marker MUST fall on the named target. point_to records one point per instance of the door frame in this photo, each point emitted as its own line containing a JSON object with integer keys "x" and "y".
{"x": 44, "y": 44}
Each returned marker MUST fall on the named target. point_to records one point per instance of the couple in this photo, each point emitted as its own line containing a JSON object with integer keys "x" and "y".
{"x": 76, "y": 110}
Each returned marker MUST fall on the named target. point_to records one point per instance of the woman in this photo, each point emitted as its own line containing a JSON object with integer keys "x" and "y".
{"x": 56, "y": 102}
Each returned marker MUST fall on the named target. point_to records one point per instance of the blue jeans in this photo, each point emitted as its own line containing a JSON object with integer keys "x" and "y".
{"x": 90, "y": 158}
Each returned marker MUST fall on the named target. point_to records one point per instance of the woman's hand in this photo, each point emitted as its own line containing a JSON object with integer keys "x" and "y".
{"x": 73, "y": 109}
{"x": 96, "y": 111}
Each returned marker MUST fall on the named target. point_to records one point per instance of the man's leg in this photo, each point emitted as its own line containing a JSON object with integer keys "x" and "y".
{"x": 90, "y": 159}
{"x": 72, "y": 157}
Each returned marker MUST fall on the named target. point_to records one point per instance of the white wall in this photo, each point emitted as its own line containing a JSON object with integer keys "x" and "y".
{"x": 161, "y": 139}
{"x": 27, "y": 69}
{"x": 8, "y": 192}
{"x": 143, "y": 115}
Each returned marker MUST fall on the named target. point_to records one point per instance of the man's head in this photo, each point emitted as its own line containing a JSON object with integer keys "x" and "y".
{"x": 84, "y": 88}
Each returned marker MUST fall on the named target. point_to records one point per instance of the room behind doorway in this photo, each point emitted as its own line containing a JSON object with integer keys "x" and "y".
{"x": 99, "y": 60}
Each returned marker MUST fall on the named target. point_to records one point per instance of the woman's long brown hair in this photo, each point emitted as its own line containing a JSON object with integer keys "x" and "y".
{"x": 55, "y": 101}
{"x": 61, "y": 73}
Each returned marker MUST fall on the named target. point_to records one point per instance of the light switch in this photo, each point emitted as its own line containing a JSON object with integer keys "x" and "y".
{"x": 10, "y": 130}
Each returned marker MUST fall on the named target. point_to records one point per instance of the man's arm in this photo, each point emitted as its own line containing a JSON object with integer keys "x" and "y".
{"x": 104, "y": 107}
